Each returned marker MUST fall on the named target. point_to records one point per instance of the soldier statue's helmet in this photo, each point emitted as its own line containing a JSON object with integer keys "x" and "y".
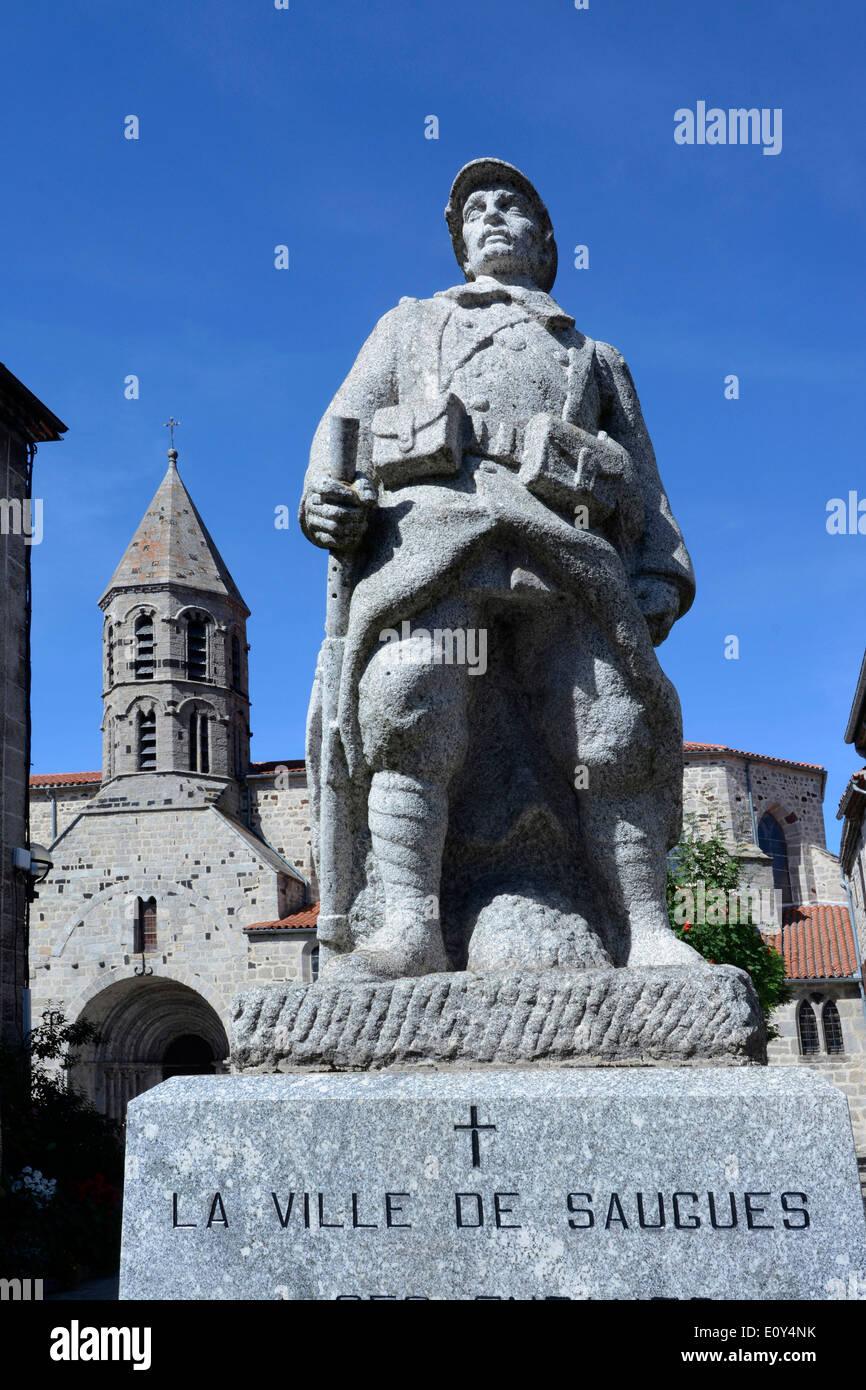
{"x": 488, "y": 173}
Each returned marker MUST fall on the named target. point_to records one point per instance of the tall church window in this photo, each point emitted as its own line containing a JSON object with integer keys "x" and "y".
{"x": 771, "y": 838}
{"x": 145, "y": 925}
{"x": 144, "y": 643}
{"x": 314, "y": 964}
{"x": 147, "y": 741}
{"x": 199, "y": 751}
{"x": 109, "y": 659}
{"x": 807, "y": 1029}
{"x": 236, "y": 663}
{"x": 196, "y": 648}
{"x": 833, "y": 1040}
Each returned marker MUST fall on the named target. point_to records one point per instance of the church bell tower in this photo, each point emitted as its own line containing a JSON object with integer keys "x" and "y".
{"x": 175, "y": 682}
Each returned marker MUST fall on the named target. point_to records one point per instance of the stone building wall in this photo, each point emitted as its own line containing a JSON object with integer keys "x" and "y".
{"x": 846, "y": 1070}
{"x": 276, "y": 957}
{"x": 14, "y": 664}
{"x": 70, "y": 801}
{"x": 857, "y": 883}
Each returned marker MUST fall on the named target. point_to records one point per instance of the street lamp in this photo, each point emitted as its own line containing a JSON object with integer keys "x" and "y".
{"x": 36, "y": 863}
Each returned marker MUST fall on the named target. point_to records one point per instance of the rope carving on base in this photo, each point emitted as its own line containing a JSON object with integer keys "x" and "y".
{"x": 595, "y": 1017}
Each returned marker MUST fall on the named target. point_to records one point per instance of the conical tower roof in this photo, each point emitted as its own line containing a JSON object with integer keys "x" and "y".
{"x": 173, "y": 546}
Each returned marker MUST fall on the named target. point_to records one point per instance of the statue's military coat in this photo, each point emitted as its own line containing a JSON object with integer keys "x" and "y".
{"x": 509, "y": 354}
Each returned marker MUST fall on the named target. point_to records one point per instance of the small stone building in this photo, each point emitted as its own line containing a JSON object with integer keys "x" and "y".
{"x": 24, "y": 423}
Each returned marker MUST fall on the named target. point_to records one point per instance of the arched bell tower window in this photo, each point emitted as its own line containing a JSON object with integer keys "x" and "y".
{"x": 196, "y": 647}
{"x": 145, "y": 925}
{"x": 199, "y": 750}
{"x": 144, "y": 645}
{"x": 771, "y": 838}
{"x": 807, "y": 1029}
{"x": 147, "y": 741}
{"x": 833, "y": 1040}
{"x": 109, "y": 658}
{"x": 236, "y": 663}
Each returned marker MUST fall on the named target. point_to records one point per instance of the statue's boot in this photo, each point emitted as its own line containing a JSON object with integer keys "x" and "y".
{"x": 642, "y": 868}
{"x": 628, "y": 850}
{"x": 408, "y": 819}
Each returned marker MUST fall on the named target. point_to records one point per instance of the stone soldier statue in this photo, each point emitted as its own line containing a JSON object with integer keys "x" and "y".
{"x": 508, "y": 756}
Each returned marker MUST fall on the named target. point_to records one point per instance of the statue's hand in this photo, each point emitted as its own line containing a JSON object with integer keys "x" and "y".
{"x": 660, "y": 604}
{"x": 335, "y": 514}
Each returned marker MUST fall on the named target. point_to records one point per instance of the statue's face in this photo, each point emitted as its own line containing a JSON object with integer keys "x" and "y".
{"x": 500, "y": 233}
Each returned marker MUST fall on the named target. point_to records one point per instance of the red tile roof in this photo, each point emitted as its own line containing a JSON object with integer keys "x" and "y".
{"x": 64, "y": 779}
{"x": 305, "y": 917}
{"x": 857, "y": 779}
{"x": 817, "y": 942}
{"x": 72, "y": 779}
{"x": 741, "y": 753}
{"x": 260, "y": 769}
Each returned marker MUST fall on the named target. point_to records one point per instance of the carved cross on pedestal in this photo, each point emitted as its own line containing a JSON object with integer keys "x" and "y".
{"x": 475, "y": 1127}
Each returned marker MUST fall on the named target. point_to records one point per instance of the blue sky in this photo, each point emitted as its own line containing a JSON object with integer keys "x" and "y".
{"x": 306, "y": 127}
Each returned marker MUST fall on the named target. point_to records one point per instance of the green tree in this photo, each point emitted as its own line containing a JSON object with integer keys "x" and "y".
{"x": 704, "y": 861}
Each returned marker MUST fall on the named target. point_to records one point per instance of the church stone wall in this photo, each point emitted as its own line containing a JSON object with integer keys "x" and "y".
{"x": 280, "y": 813}
{"x": 715, "y": 787}
{"x": 208, "y": 884}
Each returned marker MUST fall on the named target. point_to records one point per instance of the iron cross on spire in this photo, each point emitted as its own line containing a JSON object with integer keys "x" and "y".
{"x": 171, "y": 425}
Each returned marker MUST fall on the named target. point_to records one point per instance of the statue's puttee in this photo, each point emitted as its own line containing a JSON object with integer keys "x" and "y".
{"x": 495, "y": 754}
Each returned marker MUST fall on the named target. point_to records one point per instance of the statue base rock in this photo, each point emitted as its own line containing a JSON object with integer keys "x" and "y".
{"x": 603, "y": 1017}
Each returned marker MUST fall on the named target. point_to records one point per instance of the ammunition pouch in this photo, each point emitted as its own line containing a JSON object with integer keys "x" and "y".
{"x": 418, "y": 439}
{"x": 569, "y": 468}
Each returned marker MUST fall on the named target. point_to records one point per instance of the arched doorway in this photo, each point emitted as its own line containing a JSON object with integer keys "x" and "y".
{"x": 188, "y": 1055}
{"x": 150, "y": 1029}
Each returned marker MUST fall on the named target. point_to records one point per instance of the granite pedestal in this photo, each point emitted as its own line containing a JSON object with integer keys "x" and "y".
{"x": 721, "y": 1183}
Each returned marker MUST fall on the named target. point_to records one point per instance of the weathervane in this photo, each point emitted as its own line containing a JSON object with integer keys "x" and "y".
{"x": 171, "y": 425}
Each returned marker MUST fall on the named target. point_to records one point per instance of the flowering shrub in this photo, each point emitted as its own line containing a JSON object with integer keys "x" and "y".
{"x": 40, "y": 1189}
{"x": 70, "y": 1222}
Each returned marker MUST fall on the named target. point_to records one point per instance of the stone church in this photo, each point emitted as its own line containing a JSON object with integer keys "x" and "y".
{"x": 183, "y": 872}
{"x": 168, "y": 862}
